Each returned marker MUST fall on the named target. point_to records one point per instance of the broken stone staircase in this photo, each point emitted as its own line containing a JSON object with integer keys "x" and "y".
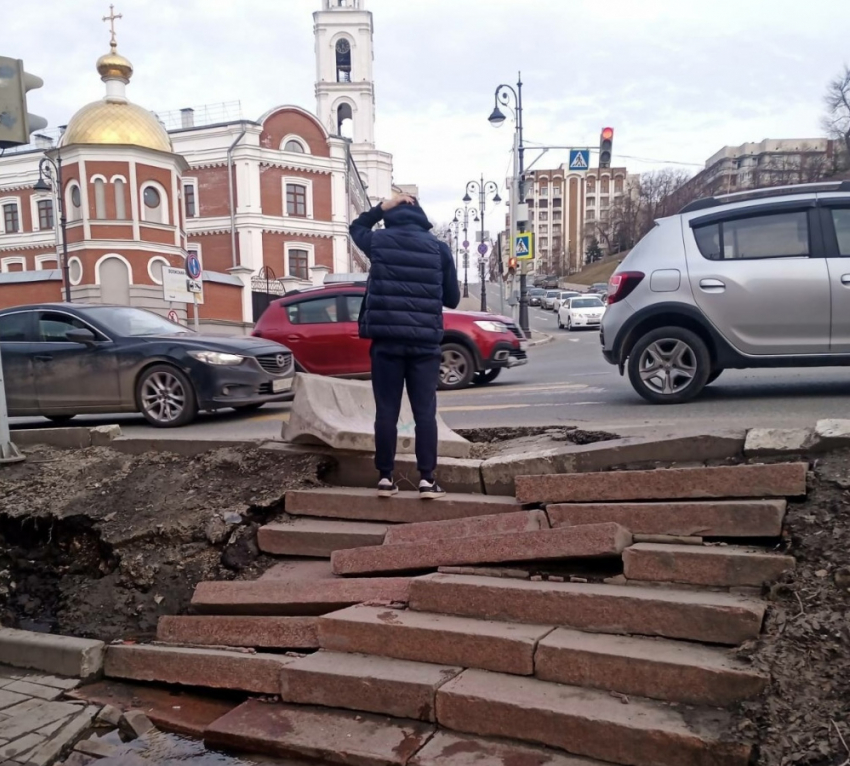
{"x": 451, "y": 632}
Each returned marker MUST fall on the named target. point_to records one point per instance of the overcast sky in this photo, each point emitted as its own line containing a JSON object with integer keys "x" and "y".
{"x": 677, "y": 79}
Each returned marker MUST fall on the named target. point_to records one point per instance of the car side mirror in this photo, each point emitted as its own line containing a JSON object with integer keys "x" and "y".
{"x": 84, "y": 336}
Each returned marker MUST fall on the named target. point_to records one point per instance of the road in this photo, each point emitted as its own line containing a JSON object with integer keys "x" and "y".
{"x": 567, "y": 382}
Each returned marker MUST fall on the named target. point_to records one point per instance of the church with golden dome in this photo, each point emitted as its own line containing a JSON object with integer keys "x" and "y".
{"x": 265, "y": 204}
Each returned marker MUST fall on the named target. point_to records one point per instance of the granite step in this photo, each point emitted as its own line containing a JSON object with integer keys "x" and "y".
{"x": 719, "y": 518}
{"x": 317, "y": 538}
{"x": 364, "y": 505}
{"x": 323, "y": 735}
{"x": 434, "y": 638}
{"x": 723, "y": 482}
{"x": 719, "y": 618}
{"x": 371, "y": 684}
{"x": 587, "y": 541}
{"x": 588, "y": 723}
{"x": 239, "y": 630}
{"x": 711, "y": 565}
{"x": 295, "y": 597}
{"x": 494, "y": 524}
{"x": 658, "y": 668}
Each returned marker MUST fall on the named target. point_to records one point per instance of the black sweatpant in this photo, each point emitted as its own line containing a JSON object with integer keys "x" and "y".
{"x": 393, "y": 366}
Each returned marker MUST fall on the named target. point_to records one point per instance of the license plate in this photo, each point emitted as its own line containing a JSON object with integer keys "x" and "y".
{"x": 283, "y": 384}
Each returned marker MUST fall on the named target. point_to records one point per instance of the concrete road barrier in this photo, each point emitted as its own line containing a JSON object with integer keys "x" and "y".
{"x": 341, "y": 414}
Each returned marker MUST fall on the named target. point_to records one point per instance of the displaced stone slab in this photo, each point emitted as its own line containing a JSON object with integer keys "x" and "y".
{"x": 173, "y": 710}
{"x": 30, "y": 716}
{"x": 333, "y": 736}
{"x": 210, "y": 668}
{"x": 33, "y": 690}
{"x": 704, "y": 565}
{"x": 341, "y": 414}
{"x": 664, "y": 445}
{"x": 309, "y": 570}
{"x": 832, "y": 434}
{"x": 740, "y": 481}
{"x": 271, "y": 597}
{"x": 59, "y": 438}
{"x": 588, "y": 541}
{"x": 719, "y": 518}
{"x": 49, "y": 653}
{"x": 435, "y": 638}
{"x": 765, "y": 442}
{"x": 47, "y": 752}
{"x": 363, "y": 504}
{"x": 364, "y": 682}
{"x": 317, "y": 538}
{"x": 657, "y": 668}
{"x": 717, "y": 618}
{"x": 583, "y": 721}
{"x": 518, "y": 521}
{"x": 446, "y": 747}
{"x": 225, "y": 630}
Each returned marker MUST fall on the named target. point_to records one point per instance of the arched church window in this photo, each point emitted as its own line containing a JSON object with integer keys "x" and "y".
{"x": 154, "y": 205}
{"x": 345, "y": 121}
{"x": 343, "y": 60}
{"x": 293, "y": 146}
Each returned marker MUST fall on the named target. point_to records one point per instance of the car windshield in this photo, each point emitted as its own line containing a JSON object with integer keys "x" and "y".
{"x": 586, "y": 303}
{"x": 552, "y": 294}
{"x": 564, "y": 296}
{"x": 134, "y": 323}
{"x": 536, "y": 291}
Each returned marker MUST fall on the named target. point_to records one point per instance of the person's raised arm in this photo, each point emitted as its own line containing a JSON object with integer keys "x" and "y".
{"x": 361, "y": 227}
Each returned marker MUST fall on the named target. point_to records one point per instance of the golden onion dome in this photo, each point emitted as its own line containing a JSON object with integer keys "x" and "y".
{"x": 114, "y": 65}
{"x": 115, "y": 122}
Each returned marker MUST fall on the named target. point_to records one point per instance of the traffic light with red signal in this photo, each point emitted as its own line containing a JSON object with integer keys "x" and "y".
{"x": 606, "y": 141}
{"x": 512, "y": 265}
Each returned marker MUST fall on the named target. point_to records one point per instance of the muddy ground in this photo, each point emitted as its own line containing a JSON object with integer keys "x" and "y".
{"x": 806, "y": 643}
{"x": 97, "y": 543}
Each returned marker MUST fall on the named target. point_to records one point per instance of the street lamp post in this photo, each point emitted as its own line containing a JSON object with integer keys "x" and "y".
{"x": 483, "y": 188}
{"x": 462, "y": 216}
{"x": 497, "y": 118}
{"x": 50, "y": 179}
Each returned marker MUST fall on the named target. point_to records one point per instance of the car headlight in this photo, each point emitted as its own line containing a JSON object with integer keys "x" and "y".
{"x": 217, "y": 358}
{"x": 488, "y": 326}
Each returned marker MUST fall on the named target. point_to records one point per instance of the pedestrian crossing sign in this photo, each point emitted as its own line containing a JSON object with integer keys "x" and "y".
{"x": 579, "y": 159}
{"x": 524, "y": 246}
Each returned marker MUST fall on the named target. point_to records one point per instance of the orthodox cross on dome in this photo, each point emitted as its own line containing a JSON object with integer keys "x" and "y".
{"x": 111, "y": 18}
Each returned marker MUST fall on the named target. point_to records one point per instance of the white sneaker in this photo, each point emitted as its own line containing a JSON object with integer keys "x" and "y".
{"x": 387, "y": 488}
{"x": 430, "y": 490}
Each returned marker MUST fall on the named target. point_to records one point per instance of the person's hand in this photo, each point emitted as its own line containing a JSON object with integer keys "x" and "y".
{"x": 396, "y": 200}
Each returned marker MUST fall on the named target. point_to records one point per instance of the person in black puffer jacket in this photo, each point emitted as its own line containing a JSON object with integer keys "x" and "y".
{"x": 412, "y": 277}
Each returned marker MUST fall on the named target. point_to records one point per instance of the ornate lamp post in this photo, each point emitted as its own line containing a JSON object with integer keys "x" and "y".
{"x": 462, "y": 217}
{"x": 483, "y": 188}
{"x": 50, "y": 179}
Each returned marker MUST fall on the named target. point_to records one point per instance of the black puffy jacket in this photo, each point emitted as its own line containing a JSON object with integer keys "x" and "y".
{"x": 411, "y": 278}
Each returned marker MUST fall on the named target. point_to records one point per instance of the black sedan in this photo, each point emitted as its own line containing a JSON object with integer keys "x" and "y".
{"x": 62, "y": 360}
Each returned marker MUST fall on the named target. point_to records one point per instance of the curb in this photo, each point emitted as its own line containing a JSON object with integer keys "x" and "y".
{"x": 66, "y": 438}
{"x": 54, "y": 654}
{"x": 541, "y": 341}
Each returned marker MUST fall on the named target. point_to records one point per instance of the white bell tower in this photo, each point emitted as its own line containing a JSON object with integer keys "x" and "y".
{"x": 345, "y": 92}
{"x": 345, "y": 88}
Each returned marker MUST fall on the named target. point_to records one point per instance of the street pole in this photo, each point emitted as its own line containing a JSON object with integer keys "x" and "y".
{"x": 462, "y": 216}
{"x": 52, "y": 169}
{"x": 483, "y": 188}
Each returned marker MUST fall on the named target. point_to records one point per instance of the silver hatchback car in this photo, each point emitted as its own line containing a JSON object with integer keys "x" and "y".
{"x": 754, "y": 279}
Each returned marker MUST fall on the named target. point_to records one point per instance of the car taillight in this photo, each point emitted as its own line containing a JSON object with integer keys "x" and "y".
{"x": 622, "y": 284}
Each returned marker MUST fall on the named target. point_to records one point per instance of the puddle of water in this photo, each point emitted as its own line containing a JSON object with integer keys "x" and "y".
{"x": 164, "y": 749}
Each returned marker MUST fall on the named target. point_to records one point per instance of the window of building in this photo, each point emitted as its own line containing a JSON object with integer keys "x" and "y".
{"x": 841, "y": 218}
{"x": 544, "y": 215}
{"x": 153, "y": 205}
{"x": 99, "y": 198}
{"x": 591, "y": 215}
{"x": 556, "y": 228}
{"x": 316, "y": 311}
{"x": 296, "y": 200}
{"x": 11, "y": 218}
{"x": 604, "y": 185}
{"x": 543, "y": 203}
{"x": 556, "y": 190}
{"x": 46, "y": 262}
{"x": 544, "y": 242}
{"x": 343, "y": 60}
{"x": 530, "y": 203}
{"x": 298, "y": 263}
{"x": 120, "y": 206}
{"x": 591, "y": 185}
{"x": 604, "y": 203}
{"x": 591, "y": 201}
{"x": 14, "y": 328}
{"x": 557, "y": 215}
{"x": 190, "y": 200}
{"x": 13, "y": 263}
{"x": 75, "y": 200}
{"x": 544, "y": 190}
{"x": 557, "y": 202}
{"x": 783, "y": 235}
{"x": 45, "y": 213}
{"x": 618, "y": 185}
{"x": 293, "y": 146}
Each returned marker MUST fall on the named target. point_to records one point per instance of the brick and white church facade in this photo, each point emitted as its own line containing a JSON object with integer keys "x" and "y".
{"x": 260, "y": 200}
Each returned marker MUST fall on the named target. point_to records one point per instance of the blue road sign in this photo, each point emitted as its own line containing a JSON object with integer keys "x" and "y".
{"x": 193, "y": 266}
{"x": 524, "y": 246}
{"x": 579, "y": 159}
{"x": 482, "y": 249}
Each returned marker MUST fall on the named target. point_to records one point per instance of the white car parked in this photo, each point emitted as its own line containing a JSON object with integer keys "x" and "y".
{"x": 583, "y": 311}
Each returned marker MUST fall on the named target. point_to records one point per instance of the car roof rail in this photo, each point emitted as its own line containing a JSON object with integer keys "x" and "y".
{"x": 767, "y": 191}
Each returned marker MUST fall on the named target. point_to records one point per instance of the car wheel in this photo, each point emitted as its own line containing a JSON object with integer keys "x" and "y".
{"x": 560, "y": 323}
{"x": 484, "y": 377}
{"x": 165, "y": 397}
{"x": 457, "y": 367}
{"x": 569, "y": 324}
{"x": 669, "y": 365}
{"x": 60, "y": 420}
{"x": 714, "y": 376}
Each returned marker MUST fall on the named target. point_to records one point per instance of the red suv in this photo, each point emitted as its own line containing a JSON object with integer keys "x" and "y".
{"x": 319, "y": 325}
